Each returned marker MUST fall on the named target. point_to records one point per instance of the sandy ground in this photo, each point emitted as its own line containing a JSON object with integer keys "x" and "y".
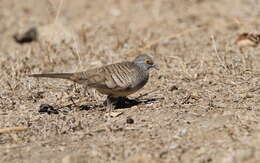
{"x": 203, "y": 105}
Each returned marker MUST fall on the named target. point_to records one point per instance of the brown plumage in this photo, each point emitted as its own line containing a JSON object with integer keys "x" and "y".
{"x": 114, "y": 80}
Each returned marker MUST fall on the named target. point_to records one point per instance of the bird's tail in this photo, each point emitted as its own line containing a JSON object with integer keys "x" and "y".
{"x": 53, "y": 75}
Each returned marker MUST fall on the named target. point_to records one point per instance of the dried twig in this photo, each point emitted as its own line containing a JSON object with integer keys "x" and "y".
{"x": 5, "y": 130}
{"x": 186, "y": 99}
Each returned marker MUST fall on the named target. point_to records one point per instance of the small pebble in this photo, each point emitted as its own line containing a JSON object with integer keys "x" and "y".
{"x": 174, "y": 87}
{"x": 26, "y": 37}
{"x": 46, "y": 108}
{"x": 129, "y": 120}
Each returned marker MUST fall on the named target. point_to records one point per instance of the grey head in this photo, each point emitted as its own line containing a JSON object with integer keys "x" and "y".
{"x": 145, "y": 62}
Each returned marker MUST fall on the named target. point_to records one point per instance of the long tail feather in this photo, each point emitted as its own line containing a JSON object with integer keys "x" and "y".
{"x": 53, "y": 75}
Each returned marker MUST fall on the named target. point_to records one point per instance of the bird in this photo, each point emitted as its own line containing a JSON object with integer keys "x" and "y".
{"x": 248, "y": 40}
{"x": 114, "y": 80}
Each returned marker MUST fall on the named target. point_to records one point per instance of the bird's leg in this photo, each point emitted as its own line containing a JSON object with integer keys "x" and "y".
{"x": 110, "y": 103}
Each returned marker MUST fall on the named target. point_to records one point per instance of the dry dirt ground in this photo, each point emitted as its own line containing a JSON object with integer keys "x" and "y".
{"x": 202, "y": 105}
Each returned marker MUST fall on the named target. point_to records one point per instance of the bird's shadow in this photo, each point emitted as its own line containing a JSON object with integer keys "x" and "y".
{"x": 121, "y": 103}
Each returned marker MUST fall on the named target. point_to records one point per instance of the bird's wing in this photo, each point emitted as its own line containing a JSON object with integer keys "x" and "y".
{"x": 115, "y": 76}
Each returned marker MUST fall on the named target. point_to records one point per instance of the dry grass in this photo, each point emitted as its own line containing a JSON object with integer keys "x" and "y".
{"x": 202, "y": 106}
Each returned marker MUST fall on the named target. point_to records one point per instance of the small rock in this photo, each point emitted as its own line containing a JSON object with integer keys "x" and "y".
{"x": 28, "y": 36}
{"x": 46, "y": 108}
{"x": 174, "y": 87}
{"x": 129, "y": 120}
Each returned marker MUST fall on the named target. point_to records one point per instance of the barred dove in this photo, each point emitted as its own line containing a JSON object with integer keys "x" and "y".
{"x": 114, "y": 80}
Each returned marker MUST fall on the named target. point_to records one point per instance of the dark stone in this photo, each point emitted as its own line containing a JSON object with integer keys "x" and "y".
{"x": 46, "y": 108}
{"x": 129, "y": 120}
{"x": 29, "y": 36}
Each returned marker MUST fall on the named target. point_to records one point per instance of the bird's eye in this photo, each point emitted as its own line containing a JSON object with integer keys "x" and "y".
{"x": 148, "y": 61}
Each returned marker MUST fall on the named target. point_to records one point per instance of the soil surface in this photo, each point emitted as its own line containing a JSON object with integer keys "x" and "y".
{"x": 203, "y": 105}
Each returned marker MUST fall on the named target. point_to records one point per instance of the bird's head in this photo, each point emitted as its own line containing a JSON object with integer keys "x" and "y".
{"x": 145, "y": 61}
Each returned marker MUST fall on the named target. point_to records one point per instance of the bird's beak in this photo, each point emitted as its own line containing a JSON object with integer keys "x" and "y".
{"x": 156, "y": 67}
